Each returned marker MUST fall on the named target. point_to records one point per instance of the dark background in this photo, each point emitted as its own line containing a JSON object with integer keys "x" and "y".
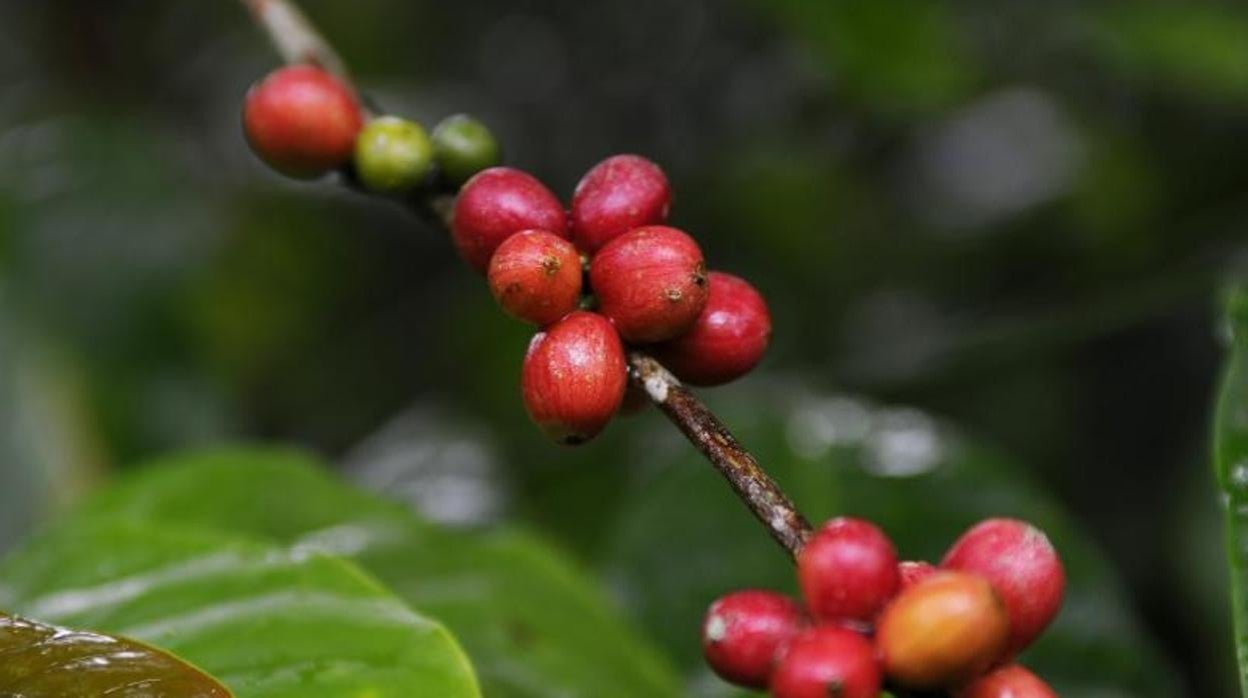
{"x": 1013, "y": 215}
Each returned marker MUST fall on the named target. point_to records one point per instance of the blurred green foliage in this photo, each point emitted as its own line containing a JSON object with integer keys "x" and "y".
{"x": 1011, "y": 215}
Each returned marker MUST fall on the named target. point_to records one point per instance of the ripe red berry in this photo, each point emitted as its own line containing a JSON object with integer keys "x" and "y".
{"x": 1011, "y": 681}
{"x": 651, "y": 282}
{"x": 302, "y": 121}
{"x": 824, "y": 662}
{"x": 620, "y": 193}
{"x": 1020, "y": 562}
{"x": 574, "y": 377}
{"x": 728, "y": 339}
{"x": 498, "y": 203}
{"x": 743, "y": 632}
{"x": 536, "y": 276}
{"x": 913, "y": 572}
{"x": 847, "y": 571}
{"x": 942, "y": 632}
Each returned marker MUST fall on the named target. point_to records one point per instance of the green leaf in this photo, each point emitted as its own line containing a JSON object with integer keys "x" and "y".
{"x": 44, "y": 661}
{"x": 269, "y": 622}
{"x": 531, "y": 621}
{"x": 684, "y": 539}
{"x": 1230, "y": 451}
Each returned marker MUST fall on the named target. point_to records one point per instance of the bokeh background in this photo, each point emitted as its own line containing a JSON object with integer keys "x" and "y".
{"x": 1012, "y": 217}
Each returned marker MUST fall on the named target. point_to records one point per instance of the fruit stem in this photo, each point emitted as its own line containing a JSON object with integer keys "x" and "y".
{"x": 298, "y": 41}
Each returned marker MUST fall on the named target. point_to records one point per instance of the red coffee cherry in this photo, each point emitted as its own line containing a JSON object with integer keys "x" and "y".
{"x": 824, "y": 662}
{"x": 651, "y": 282}
{"x": 301, "y": 121}
{"x": 744, "y": 630}
{"x": 1011, "y": 681}
{"x": 728, "y": 339}
{"x": 574, "y": 376}
{"x": 913, "y": 572}
{"x": 536, "y": 276}
{"x": 942, "y": 632}
{"x": 1020, "y": 562}
{"x": 620, "y": 193}
{"x": 847, "y": 571}
{"x": 498, "y": 203}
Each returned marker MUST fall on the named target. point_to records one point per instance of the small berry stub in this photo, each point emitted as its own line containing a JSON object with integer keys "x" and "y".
{"x": 498, "y": 203}
{"x": 744, "y": 630}
{"x": 393, "y": 155}
{"x": 651, "y": 282}
{"x": 536, "y": 276}
{"x": 727, "y": 340}
{"x": 617, "y": 195}
{"x": 942, "y": 632}
{"x": 1012, "y": 681}
{"x": 574, "y": 377}
{"x": 301, "y": 121}
{"x": 463, "y": 147}
{"x": 1022, "y": 565}
{"x": 827, "y": 662}
{"x": 912, "y": 572}
{"x": 847, "y": 571}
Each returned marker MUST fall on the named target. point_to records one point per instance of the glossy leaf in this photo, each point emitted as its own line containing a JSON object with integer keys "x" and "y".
{"x": 45, "y": 661}
{"x": 684, "y": 539}
{"x": 268, "y": 622}
{"x": 1230, "y": 451}
{"x": 533, "y": 624}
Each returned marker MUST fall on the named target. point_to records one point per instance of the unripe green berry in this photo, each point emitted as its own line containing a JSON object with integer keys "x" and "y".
{"x": 393, "y": 154}
{"x": 463, "y": 147}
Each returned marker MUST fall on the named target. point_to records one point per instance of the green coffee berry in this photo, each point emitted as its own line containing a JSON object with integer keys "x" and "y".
{"x": 463, "y": 147}
{"x": 393, "y": 154}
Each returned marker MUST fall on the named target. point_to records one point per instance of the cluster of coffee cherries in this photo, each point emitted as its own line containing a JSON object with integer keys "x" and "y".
{"x": 304, "y": 122}
{"x": 870, "y": 622}
{"x": 606, "y": 274}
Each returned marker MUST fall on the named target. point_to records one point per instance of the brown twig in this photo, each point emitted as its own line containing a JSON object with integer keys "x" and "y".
{"x": 298, "y": 42}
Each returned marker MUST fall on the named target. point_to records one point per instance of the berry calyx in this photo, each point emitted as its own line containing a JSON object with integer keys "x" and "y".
{"x": 912, "y": 572}
{"x": 827, "y": 662}
{"x": 727, "y": 340}
{"x": 463, "y": 147}
{"x": 744, "y": 630}
{"x": 942, "y": 632}
{"x": 1011, "y": 681}
{"x": 847, "y": 571}
{"x": 393, "y": 155}
{"x": 574, "y": 377}
{"x": 651, "y": 282}
{"x": 498, "y": 203}
{"x": 617, "y": 195}
{"x": 1022, "y": 565}
{"x": 536, "y": 276}
{"x": 301, "y": 121}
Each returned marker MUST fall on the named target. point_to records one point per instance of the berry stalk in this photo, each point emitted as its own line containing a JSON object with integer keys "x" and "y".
{"x": 299, "y": 42}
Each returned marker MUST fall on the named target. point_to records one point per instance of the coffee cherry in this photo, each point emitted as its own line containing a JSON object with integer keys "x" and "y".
{"x": 574, "y": 376}
{"x": 912, "y": 572}
{"x": 826, "y": 662}
{"x": 728, "y": 339}
{"x": 536, "y": 276}
{"x": 1022, "y": 566}
{"x": 463, "y": 147}
{"x": 1011, "y": 681}
{"x": 744, "y": 630}
{"x": 497, "y": 203}
{"x": 393, "y": 155}
{"x": 620, "y": 193}
{"x": 651, "y": 282}
{"x": 301, "y": 121}
{"x": 847, "y": 571}
{"x": 942, "y": 632}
